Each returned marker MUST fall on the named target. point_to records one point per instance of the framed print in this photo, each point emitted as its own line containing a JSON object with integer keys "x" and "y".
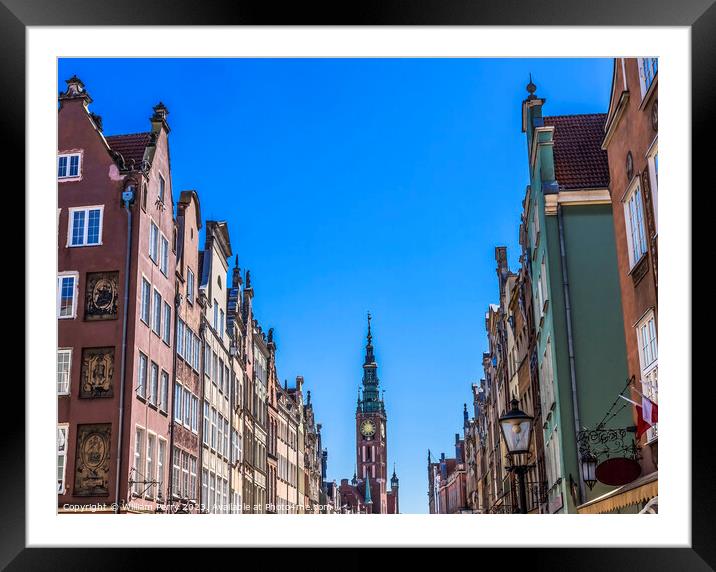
{"x": 382, "y": 281}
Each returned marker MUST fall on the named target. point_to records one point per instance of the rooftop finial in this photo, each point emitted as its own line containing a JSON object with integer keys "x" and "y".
{"x": 370, "y": 337}
{"x": 531, "y": 88}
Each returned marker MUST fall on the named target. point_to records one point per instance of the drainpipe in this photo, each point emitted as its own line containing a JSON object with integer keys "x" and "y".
{"x": 570, "y": 342}
{"x": 127, "y": 199}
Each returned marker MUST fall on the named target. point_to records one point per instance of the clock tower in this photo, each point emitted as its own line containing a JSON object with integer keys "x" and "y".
{"x": 371, "y": 433}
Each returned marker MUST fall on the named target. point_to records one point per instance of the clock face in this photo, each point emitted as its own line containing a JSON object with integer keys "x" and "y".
{"x": 367, "y": 428}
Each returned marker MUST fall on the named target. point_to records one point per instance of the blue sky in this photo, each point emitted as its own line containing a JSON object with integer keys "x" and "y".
{"x": 355, "y": 185}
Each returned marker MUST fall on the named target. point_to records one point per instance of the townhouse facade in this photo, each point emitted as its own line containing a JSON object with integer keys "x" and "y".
{"x": 163, "y": 372}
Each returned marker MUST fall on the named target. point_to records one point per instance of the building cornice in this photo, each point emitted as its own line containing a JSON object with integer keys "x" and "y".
{"x": 614, "y": 119}
{"x": 576, "y": 198}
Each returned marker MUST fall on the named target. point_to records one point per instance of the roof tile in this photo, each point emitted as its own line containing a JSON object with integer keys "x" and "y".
{"x": 579, "y": 161}
{"x": 131, "y": 146}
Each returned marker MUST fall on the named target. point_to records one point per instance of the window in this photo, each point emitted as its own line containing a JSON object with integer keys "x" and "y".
{"x": 636, "y": 233}
{"x": 85, "y": 226}
{"x": 191, "y": 493}
{"x": 196, "y": 352}
{"x": 151, "y": 467}
{"x": 653, "y": 161}
{"x": 188, "y": 337}
{"x": 64, "y": 360}
{"x": 187, "y": 408}
{"x": 204, "y": 488}
{"x": 184, "y": 474}
{"x": 164, "y": 266}
{"x": 61, "y": 457}
{"x": 648, "y": 68}
{"x": 161, "y": 188}
{"x": 146, "y": 303}
{"x": 206, "y": 423}
{"x": 68, "y": 166}
{"x": 67, "y": 295}
{"x": 157, "y": 314}
{"x": 161, "y": 459}
{"x": 216, "y": 315}
{"x": 153, "y": 242}
{"x": 180, "y": 337}
{"x": 167, "y": 332}
{"x": 213, "y": 428}
{"x": 221, "y": 324}
{"x": 138, "y": 460}
{"x": 154, "y": 384}
{"x": 178, "y": 402}
{"x": 547, "y": 380}
{"x": 142, "y": 376}
{"x": 176, "y": 472}
{"x": 194, "y": 413}
{"x": 190, "y": 286}
{"x": 649, "y": 362}
{"x": 164, "y": 391}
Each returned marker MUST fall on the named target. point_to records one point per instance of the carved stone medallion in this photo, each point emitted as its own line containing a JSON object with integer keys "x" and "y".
{"x": 97, "y": 372}
{"x": 101, "y": 295}
{"x": 92, "y": 460}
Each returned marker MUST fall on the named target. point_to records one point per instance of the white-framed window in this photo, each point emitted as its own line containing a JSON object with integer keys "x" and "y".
{"x": 161, "y": 462}
{"x": 157, "y": 313}
{"x": 162, "y": 186}
{"x": 206, "y": 423}
{"x": 213, "y": 428}
{"x": 154, "y": 384}
{"x": 85, "y": 226}
{"x": 195, "y": 413}
{"x": 653, "y": 162}
{"x": 190, "y": 285}
{"x": 138, "y": 460}
{"x": 151, "y": 468}
{"x": 184, "y": 474}
{"x": 142, "y": 376}
{"x": 146, "y": 303}
{"x": 204, "y": 488}
{"x": 197, "y": 352}
{"x": 191, "y": 493}
{"x": 648, "y": 68}
{"x": 67, "y": 285}
{"x": 649, "y": 362}
{"x": 167, "y": 331}
{"x": 62, "y": 432}
{"x": 164, "y": 256}
{"x": 64, "y": 363}
{"x": 164, "y": 391}
{"x": 68, "y": 165}
{"x": 552, "y": 458}
{"x": 178, "y": 402}
{"x": 635, "y": 228}
{"x": 543, "y": 281}
{"x": 176, "y": 472}
{"x": 154, "y": 242}
{"x": 187, "y": 408}
{"x": 216, "y": 315}
{"x": 180, "y": 336}
{"x": 221, "y": 324}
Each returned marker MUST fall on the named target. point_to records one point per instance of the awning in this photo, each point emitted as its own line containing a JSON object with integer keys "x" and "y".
{"x": 642, "y": 489}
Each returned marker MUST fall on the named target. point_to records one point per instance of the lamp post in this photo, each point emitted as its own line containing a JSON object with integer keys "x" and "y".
{"x": 516, "y": 428}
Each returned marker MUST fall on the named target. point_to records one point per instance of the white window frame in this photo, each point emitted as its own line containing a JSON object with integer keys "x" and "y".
{"x": 649, "y": 371}
{"x": 154, "y": 233}
{"x": 69, "y": 156}
{"x": 163, "y": 254}
{"x": 64, "y": 430}
{"x": 190, "y": 278}
{"x": 635, "y": 190}
{"x": 161, "y": 463}
{"x": 156, "y": 313}
{"x": 167, "y": 330}
{"x": 163, "y": 390}
{"x": 161, "y": 188}
{"x": 142, "y": 379}
{"x": 178, "y": 402}
{"x": 63, "y": 387}
{"x": 75, "y": 293}
{"x": 150, "y": 464}
{"x": 145, "y": 301}
{"x": 154, "y": 389}
{"x": 645, "y": 89}
{"x": 71, "y": 222}
{"x": 139, "y": 456}
{"x": 651, "y": 159}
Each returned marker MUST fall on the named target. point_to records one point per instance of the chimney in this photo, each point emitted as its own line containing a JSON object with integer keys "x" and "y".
{"x": 159, "y": 118}
{"x": 299, "y": 384}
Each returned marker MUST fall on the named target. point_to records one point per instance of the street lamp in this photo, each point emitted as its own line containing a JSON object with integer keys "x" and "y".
{"x": 516, "y": 428}
{"x": 589, "y": 469}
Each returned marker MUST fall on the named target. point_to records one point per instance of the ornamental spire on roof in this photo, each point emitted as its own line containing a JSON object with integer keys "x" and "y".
{"x": 371, "y": 396}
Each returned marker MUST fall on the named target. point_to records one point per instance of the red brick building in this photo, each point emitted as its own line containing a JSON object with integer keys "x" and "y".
{"x": 115, "y": 289}
{"x": 447, "y": 482}
{"x": 632, "y": 143}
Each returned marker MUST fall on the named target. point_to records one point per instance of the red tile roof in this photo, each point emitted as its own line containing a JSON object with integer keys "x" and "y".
{"x": 579, "y": 161}
{"x": 131, "y": 145}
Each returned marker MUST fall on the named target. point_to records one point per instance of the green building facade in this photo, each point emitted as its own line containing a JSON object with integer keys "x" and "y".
{"x": 581, "y": 354}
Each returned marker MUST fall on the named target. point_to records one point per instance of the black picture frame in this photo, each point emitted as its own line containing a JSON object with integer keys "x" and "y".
{"x": 699, "y": 15}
